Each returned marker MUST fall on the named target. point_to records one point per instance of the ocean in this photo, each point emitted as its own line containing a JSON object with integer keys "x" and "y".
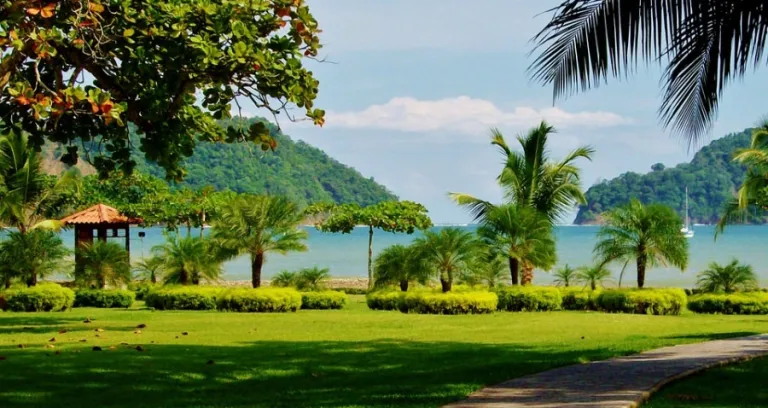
{"x": 346, "y": 254}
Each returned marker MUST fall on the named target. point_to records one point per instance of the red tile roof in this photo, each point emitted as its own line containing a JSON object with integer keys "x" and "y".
{"x": 99, "y": 214}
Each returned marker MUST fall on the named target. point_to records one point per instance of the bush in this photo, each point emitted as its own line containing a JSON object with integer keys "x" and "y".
{"x": 383, "y": 299}
{"x": 749, "y": 303}
{"x": 429, "y": 302}
{"x": 579, "y": 299}
{"x": 260, "y": 300}
{"x": 104, "y": 298}
{"x": 529, "y": 299}
{"x": 643, "y": 301}
{"x": 41, "y": 298}
{"x": 323, "y": 300}
{"x": 141, "y": 289}
{"x": 182, "y": 298}
{"x": 352, "y": 291}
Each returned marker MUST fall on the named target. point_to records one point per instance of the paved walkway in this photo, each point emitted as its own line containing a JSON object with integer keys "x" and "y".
{"x": 616, "y": 383}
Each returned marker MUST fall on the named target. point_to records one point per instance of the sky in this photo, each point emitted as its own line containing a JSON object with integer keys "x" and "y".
{"x": 412, "y": 88}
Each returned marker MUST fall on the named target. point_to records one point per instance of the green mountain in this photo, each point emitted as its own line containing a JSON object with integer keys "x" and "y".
{"x": 711, "y": 177}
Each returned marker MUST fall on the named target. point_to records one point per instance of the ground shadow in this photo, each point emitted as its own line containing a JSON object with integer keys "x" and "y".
{"x": 48, "y": 324}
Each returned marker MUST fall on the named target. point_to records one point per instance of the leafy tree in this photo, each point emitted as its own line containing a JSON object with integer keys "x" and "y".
{"x": 648, "y": 234}
{"x": 312, "y": 278}
{"x": 104, "y": 263}
{"x": 74, "y": 70}
{"x": 31, "y": 255}
{"x": 706, "y": 44}
{"x": 727, "y": 278}
{"x": 593, "y": 275}
{"x": 149, "y": 269}
{"x": 188, "y": 260}
{"x": 398, "y": 264}
{"x": 390, "y": 216}
{"x": 447, "y": 253}
{"x": 256, "y": 225}
{"x": 284, "y": 279}
{"x": 523, "y": 235}
{"x": 565, "y": 276}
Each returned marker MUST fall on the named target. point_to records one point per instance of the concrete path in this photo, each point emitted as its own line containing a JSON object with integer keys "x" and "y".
{"x": 616, "y": 383}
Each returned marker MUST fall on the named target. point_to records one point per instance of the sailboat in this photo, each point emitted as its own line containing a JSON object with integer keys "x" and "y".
{"x": 687, "y": 230}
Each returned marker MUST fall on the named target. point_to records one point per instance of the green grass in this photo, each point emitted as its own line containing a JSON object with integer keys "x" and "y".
{"x": 735, "y": 386}
{"x": 344, "y": 358}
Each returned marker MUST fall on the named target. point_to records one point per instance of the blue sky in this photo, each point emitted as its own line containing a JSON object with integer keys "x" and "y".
{"x": 415, "y": 86}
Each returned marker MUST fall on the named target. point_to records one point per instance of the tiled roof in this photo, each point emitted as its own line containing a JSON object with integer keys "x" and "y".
{"x": 99, "y": 214}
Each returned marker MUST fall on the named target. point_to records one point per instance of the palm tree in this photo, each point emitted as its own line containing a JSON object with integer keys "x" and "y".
{"x": 284, "y": 279}
{"x": 256, "y": 225}
{"x": 30, "y": 256}
{"x": 399, "y": 264}
{"x": 727, "y": 278}
{"x": 188, "y": 260}
{"x": 648, "y": 234}
{"x": 565, "y": 276}
{"x": 446, "y": 253}
{"x": 523, "y": 235}
{"x": 530, "y": 178}
{"x": 149, "y": 269}
{"x": 705, "y": 44}
{"x": 104, "y": 263}
{"x": 488, "y": 269}
{"x": 312, "y": 278}
{"x": 593, "y": 276}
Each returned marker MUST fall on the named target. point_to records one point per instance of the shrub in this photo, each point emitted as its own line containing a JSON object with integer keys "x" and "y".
{"x": 141, "y": 289}
{"x": 104, "y": 298}
{"x": 352, "y": 291}
{"x": 749, "y": 303}
{"x": 329, "y": 299}
{"x": 259, "y": 300}
{"x": 182, "y": 298}
{"x": 450, "y": 303}
{"x": 579, "y": 299}
{"x": 41, "y": 298}
{"x": 529, "y": 299}
{"x": 643, "y": 301}
{"x": 383, "y": 299}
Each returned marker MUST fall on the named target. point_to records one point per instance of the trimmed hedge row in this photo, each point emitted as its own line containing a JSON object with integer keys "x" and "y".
{"x": 104, "y": 298}
{"x": 427, "y": 302}
{"x": 265, "y": 300}
{"x": 323, "y": 300}
{"x": 383, "y": 300}
{"x": 141, "y": 289}
{"x": 751, "y": 303}
{"x": 579, "y": 299}
{"x": 643, "y": 301}
{"x": 40, "y": 298}
{"x": 182, "y": 298}
{"x": 529, "y": 299}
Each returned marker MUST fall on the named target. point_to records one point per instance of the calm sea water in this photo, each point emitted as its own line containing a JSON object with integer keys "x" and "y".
{"x": 346, "y": 254}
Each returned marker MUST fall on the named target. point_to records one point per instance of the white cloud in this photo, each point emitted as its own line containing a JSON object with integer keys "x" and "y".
{"x": 463, "y": 115}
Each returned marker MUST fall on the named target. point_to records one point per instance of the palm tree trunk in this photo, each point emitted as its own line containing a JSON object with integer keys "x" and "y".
{"x": 32, "y": 280}
{"x": 404, "y": 285}
{"x": 641, "y": 261}
{"x": 445, "y": 284}
{"x": 514, "y": 267}
{"x": 202, "y": 224}
{"x": 527, "y": 278}
{"x": 102, "y": 282}
{"x": 8, "y": 283}
{"x": 257, "y": 261}
{"x": 184, "y": 277}
{"x": 189, "y": 229}
{"x": 370, "y": 256}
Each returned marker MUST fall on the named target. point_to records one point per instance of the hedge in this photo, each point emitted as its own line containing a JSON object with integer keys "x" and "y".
{"x": 182, "y": 298}
{"x": 579, "y": 299}
{"x": 323, "y": 300}
{"x": 451, "y": 303}
{"x": 141, "y": 289}
{"x": 529, "y": 299}
{"x": 751, "y": 303}
{"x": 352, "y": 291}
{"x": 104, "y": 298}
{"x": 383, "y": 299}
{"x": 260, "y": 300}
{"x": 40, "y": 298}
{"x": 643, "y": 301}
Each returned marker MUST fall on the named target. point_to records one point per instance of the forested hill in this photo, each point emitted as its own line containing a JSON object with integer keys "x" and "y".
{"x": 711, "y": 177}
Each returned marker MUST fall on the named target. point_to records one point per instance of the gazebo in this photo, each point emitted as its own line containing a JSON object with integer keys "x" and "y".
{"x": 100, "y": 222}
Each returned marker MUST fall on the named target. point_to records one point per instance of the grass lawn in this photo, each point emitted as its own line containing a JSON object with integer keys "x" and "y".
{"x": 348, "y": 358}
{"x": 734, "y": 386}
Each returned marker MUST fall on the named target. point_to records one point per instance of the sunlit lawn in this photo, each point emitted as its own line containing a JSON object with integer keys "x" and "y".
{"x": 348, "y": 358}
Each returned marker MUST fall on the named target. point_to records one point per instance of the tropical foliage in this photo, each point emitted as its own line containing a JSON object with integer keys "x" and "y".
{"x": 314, "y": 278}
{"x": 593, "y": 276}
{"x": 102, "y": 263}
{"x": 648, "y": 235}
{"x": 399, "y": 265}
{"x": 728, "y": 278}
{"x": 447, "y": 253}
{"x": 257, "y": 225}
{"x": 489, "y": 269}
{"x": 188, "y": 260}
{"x": 149, "y": 269}
{"x": 29, "y": 256}
{"x": 565, "y": 276}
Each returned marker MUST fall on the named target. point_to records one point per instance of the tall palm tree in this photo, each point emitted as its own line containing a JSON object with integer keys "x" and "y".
{"x": 565, "y": 276}
{"x": 705, "y": 45}
{"x": 399, "y": 264}
{"x": 447, "y": 253}
{"x": 149, "y": 269}
{"x": 256, "y": 225}
{"x": 648, "y": 234}
{"x": 29, "y": 256}
{"x": 523, "y": 235}
{"x": 727, "y": 278}
{"x": 104, "y": 263}
{"x": 188, "y": 260}
{"x": 593, "y": 275}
